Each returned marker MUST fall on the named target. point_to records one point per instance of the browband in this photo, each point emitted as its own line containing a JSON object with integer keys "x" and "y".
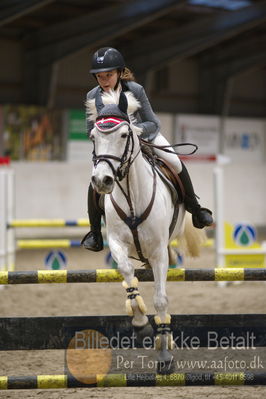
{"x": 109, "y": 124}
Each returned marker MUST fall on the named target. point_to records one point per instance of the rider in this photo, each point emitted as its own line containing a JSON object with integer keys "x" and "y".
{"x": 108, "y": 67}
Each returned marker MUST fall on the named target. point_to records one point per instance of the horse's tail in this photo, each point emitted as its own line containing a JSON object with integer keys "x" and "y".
{"x": 192, "y": 238}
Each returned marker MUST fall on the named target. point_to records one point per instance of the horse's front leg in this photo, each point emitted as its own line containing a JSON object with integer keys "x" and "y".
{"x": 135, "y": 305}
{"x": 164, "y": 338}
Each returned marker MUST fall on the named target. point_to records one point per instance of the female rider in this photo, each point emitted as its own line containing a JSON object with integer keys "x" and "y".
{"x": 108, "y": 67}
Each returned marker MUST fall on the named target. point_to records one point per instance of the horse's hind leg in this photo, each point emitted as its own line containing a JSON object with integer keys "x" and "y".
{"x": 160, "y": 267}
{"x": 164, "y": 339}
{"x": 135, "y": 305}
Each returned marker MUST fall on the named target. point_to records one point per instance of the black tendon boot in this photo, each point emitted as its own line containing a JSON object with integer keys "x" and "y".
{"x": 201, "y": 217}
{"x": 93, "y": 240}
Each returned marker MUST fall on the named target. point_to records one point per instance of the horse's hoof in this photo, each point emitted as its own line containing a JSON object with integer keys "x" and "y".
{"x": 165, "y": 364}
{"x": 142, "y": 333}
{"x": 165, "y": 367}
{"x": 140, "y": 322}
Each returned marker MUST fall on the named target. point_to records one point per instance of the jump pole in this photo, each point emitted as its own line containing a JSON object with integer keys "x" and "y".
{"x": 7, "y": 210}
{"x": 113, "y": 276}
{"x": 219, "y": 210}
{"x": 65, "y": 381}
{"x": 10, "y": 233}
{"x": 42, "y": 243}
{"x": 3, "y": 218}
{"x": 35, "y": 223}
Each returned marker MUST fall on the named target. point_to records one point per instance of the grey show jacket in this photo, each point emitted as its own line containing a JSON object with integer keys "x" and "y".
{"x": 145, "y": 117}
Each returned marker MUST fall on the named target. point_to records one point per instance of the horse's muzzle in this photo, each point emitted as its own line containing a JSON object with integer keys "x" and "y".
{"x": 103, "y": 185}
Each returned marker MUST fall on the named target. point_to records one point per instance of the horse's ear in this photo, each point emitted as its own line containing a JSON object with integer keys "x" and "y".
{"x": 123, "y": 102}
{"x": 98, "y": 101}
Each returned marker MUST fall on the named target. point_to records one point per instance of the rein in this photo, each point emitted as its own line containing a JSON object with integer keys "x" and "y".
{"x": 165, "y": 148}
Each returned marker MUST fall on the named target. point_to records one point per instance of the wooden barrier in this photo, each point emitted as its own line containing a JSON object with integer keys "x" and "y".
{"x": 41, "y": 333}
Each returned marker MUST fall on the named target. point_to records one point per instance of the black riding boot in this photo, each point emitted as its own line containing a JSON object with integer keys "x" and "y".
{"x": 201, "y": 217}
{"x": 93, "y": 240}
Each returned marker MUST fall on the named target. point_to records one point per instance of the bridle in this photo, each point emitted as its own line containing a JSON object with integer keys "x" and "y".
{"x": 125, "y": 161}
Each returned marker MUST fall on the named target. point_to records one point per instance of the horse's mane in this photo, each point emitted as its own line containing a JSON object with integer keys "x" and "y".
{"x": 112, "y": 97}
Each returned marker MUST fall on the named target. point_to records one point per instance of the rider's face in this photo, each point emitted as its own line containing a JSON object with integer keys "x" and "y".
{"x": 107, "y": 80}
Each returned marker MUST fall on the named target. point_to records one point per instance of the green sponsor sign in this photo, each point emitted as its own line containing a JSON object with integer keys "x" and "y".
{"x": 77, "y": 125}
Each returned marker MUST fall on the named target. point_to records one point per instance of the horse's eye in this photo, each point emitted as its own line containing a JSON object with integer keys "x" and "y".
{"x": 124, "y": 135}
{"x": 92, "y": 138}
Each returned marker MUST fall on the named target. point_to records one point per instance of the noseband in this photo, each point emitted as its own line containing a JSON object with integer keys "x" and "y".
{"x": 124, "y": 161}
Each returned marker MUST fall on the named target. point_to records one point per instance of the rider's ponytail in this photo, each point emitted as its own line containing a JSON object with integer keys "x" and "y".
{"x": 127, "y": 75}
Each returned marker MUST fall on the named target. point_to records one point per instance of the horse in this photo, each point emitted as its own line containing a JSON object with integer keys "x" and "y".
{"x": 139, "y": 210}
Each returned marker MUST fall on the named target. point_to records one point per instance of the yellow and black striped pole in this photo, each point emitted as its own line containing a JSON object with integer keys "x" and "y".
{"x": 113, "y": 276}
{"x": 48, "y": 223}
{"x": 131, "y": 380}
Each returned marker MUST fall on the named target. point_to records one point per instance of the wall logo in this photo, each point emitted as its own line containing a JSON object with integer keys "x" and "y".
{"x": 244, "y": 234}
{"x": 242, "y": 237}
{"x": 242, "y": 140}
{"x": 55, "y": 260}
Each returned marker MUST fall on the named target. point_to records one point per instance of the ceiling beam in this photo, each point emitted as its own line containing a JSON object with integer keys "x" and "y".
{"x": 235, "y": 67}
{"x": 241, "y": 45}
{"x": 57, "y": 42}
{"x": 20, "y": 8}
{"x": 234, "y": 58}
{"x": 217, "y": 72}
{"x": 64, "y": 39}
{"x": 194, "y": 38}
{"x": 252, "y": 59}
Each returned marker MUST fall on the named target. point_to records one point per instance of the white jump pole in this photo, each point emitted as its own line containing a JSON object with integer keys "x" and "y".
{"x": 11, "y": 238}
{"x": 3, "y": 218}
{"x": 219, "y": 212}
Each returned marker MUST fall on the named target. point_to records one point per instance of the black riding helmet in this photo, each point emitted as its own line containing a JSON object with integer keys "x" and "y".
{"x": 106, "y": 59}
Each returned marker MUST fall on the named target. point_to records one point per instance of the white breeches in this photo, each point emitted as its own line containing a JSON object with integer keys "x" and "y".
{"x": 171, "y": 158}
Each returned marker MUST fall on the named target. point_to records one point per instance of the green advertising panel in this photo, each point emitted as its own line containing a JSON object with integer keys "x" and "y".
{"x": 77, "y": 125}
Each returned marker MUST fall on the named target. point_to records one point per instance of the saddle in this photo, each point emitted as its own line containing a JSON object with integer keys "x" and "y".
{"x": 166, "y": 173}
{"x": 170, "y": 178}
{"x": 169, "y": 175}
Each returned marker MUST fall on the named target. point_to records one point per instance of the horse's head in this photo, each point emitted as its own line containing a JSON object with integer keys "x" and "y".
{"x": 113, "y": 144}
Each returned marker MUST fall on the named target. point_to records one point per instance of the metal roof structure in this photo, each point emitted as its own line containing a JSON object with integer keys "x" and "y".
{"x": 150, "y": 33}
